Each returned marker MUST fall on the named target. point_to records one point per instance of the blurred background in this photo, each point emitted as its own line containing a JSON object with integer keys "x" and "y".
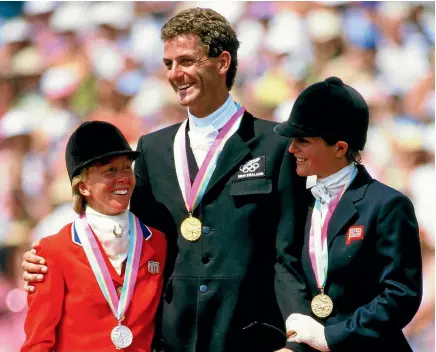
{"x": 62, "y": 63}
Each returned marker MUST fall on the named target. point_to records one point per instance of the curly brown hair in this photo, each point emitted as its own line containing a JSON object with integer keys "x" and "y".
{"x": 215, "y": 33}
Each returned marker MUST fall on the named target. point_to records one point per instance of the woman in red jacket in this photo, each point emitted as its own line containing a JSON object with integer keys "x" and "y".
{"x": 106, "y": 268}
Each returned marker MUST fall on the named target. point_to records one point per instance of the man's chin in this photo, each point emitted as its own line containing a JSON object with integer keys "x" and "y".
{"x": 184, "y": 103}
{"x": 186, "y": 100}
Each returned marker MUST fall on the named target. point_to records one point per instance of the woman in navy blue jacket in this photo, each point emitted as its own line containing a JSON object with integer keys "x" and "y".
{"x": 361, "y": 255}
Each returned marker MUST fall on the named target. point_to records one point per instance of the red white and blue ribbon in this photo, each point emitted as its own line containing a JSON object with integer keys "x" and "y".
{"x": 101, "y": 272}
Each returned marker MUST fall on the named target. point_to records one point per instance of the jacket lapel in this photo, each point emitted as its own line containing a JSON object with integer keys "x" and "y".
{"x": 345, "y": 211}
{"x": 146, "y": 253}
{"x": 192, "y": 163}
{"x": 231, "y": 156}
{"x": 80, "y": 254}
{"x": 306, "y": 254}
{"x": 170, "y": 147}
{"x": 147, "y": 250}
{"x": 77, "y": 247}
{"x": 234, "y": 151}
{"x": 172, "y": 187}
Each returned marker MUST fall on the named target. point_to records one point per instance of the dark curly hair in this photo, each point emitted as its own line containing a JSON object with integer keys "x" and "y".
{"x": 215, "y": 33}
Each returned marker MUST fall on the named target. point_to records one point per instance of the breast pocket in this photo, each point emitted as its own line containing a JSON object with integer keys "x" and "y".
{"x": 346, "y": 255}
{"x": 251, "y": 187}
{"x": 250, "y": 191}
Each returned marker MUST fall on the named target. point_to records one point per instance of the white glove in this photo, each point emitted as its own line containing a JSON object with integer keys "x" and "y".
{"x": 308, "y": 331}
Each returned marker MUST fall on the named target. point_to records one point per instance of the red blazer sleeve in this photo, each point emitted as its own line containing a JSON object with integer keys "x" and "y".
{"x": 46, "y": 303}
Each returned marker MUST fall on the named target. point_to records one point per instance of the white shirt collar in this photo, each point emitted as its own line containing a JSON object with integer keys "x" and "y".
{"x": 329, "y": 187}
{"x": 216, "y": 120}
{"x": 119, "y": 217}
{"x": 337, "y": 176}
{"x": 115, "y": 247}
{"x": 203, "y": 131}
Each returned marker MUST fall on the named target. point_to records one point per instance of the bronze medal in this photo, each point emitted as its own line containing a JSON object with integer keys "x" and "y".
{"x": 191, "y": 229}
{"x": 322, "y": 305}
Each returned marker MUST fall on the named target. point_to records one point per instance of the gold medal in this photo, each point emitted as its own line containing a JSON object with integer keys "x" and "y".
{"x": 191, "y": 228}
{"x": 322, "y": 305}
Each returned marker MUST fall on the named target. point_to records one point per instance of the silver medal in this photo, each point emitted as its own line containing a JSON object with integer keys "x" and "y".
{"x": 121, "y": 336}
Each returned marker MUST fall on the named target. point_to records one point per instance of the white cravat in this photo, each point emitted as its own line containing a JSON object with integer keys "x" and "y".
{"x": 328, "y": 188}
{"x": 103, "y": 226}
{"x": 203, "y": 131}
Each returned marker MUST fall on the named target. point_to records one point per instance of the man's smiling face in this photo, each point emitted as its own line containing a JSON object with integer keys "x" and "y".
{"x": 194, "y": 76}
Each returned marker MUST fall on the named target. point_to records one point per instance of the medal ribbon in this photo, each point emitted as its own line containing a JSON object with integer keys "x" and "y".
{"x": 101, "y": 272}
{"x": 318, "y": 250}
{"x": 193, "y": 195}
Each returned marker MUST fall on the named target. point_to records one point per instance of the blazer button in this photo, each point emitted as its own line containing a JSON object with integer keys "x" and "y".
{"x": 119, "y": 289}
{"x": 203, "y": 288}
{"x": 280, "y": 260}
{"x": 206, "y": 230}
{"x": 205, "y": 259}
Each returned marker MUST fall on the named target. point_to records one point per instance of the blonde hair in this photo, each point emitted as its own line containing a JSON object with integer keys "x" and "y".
{"x": 79, "y": 201}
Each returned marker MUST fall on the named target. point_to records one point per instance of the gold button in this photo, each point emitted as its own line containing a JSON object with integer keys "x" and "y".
{"x": 119, "y": 289}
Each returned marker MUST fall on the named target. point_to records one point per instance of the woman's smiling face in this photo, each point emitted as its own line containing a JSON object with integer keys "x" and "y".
{"x": 316, "y": 157}
{"x": 109, "y": 186}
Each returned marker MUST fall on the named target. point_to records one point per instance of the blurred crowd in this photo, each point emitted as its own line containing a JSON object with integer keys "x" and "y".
{"x": 62, "y": 63}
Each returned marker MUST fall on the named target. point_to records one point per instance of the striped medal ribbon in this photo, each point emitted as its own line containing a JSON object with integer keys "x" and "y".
{"x": 191, "y": 226}
{"x": 121, "y": 335}
{"x": 322, "y": 304}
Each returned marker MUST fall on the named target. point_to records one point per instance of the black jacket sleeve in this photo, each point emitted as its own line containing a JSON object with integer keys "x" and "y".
{"x": 290, "y": 285}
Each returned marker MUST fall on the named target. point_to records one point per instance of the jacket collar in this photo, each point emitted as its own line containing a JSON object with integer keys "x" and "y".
{"x": 146, "y": 253}
{"x": 233, "y": 153}
{"x": 75, "y": 237}
{"x": 346, "y": 211}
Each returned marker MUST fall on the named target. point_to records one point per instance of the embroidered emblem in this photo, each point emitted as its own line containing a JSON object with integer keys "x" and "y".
{"x": 153, "y": 267}
{"x": 254, "y": 168}
{"x": 354, "y": 233}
